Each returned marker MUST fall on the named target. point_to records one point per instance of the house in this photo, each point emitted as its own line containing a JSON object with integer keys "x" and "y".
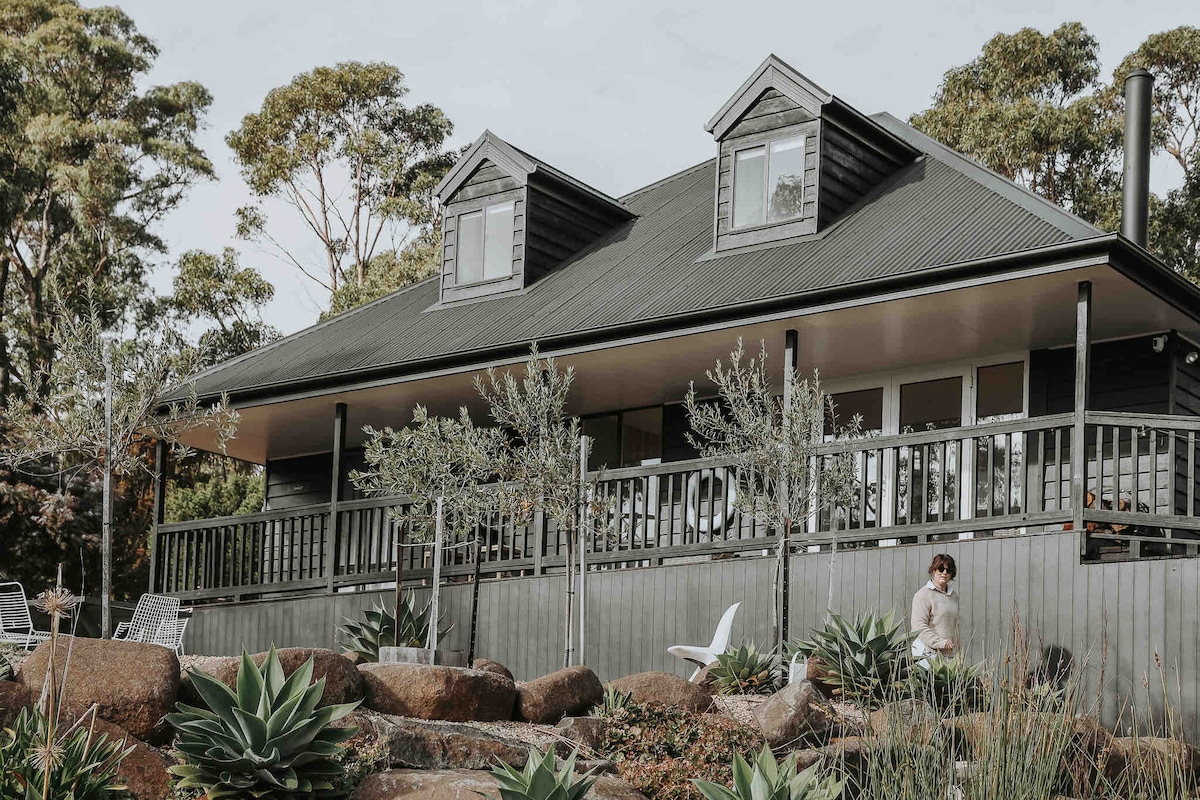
{"x": 1029, "y": 382}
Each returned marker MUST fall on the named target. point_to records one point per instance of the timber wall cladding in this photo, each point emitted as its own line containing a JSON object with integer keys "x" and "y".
{"x": 633, "y": 615}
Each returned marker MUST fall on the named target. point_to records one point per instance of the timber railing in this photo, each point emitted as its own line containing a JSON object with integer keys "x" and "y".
{"x": 1002, "y": 478}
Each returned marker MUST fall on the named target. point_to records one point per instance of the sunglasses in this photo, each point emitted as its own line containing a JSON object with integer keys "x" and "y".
{"x": 945, "y": 569}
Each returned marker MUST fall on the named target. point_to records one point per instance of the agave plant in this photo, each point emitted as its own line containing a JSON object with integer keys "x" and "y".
{"x": 539, "y": 781}
{"x": 614, "y": 700}
{"x": 37, "y": 763}
{"x": 867, "y": 657}
{"x": 378, "y": 629}
{"x": 950, "y": 684}
{"x": 744, "y": 670}
{"x": 266, "y": 740}
{"x": 770, "y": 780}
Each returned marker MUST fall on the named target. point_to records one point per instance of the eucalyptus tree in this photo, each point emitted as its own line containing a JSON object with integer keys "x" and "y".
{"x": 355, "y": 164}
{"x": 89, "y": 162}
{"x": 774, "y": 444}
{"x": 100, "y": 409}
{"x": 541, "y": 465}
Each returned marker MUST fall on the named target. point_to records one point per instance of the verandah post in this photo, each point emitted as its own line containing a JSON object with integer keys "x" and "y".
{"x": 160, "y": 478}
{"x": 335, "y": 496}
{"x": 783, "y": 607}
{"x": 1083, "y": 354}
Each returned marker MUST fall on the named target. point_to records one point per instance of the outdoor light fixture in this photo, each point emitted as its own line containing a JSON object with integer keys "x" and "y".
{"x": 1159, "y": 343}
{"x": 1191, "y": 357}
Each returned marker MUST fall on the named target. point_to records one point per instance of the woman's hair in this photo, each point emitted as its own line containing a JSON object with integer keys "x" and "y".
{"x": 943, "y": 560}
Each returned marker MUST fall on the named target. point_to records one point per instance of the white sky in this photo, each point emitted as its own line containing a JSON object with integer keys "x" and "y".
{"x": 616, "y": 93}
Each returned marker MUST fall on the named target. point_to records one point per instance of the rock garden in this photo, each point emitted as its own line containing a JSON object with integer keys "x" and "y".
{"x": 126, "y": 719}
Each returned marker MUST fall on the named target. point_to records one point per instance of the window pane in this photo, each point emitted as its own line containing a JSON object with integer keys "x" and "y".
{"x": 606, "y": 441}
{"x": 749, "y": 177}
{"x": 1000, "y": 392}
{"x": 468, "y": 254}
{"x": 786, "y": 179}
{"x": 867, "y": 402}
{"x": 930, "y": 405}
{"x": 641, "y": 436}
{"x": 497, "y": 259}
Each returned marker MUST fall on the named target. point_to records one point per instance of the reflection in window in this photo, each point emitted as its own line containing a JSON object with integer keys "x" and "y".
{"x": 865, "y": 403}
{"x": 768, "y": 182}
{"x": 484, "y": 244}
{"x": 931, "y": 405}
{"x": 1000, "y": 392}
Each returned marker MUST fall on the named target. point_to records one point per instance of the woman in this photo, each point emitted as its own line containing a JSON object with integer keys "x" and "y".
{"x": 935, "y": 612}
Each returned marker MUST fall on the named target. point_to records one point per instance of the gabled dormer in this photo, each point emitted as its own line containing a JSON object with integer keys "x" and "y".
{"x": 792, "y": 158}
{"x": 508, "y": 219}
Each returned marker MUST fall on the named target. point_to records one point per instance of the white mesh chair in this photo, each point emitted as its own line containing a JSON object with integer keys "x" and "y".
{"x": 170, "y": 634}
{"x": 702, "y": 656}
{"x": 16, "y": 626}
{"x": 151, "y": 613}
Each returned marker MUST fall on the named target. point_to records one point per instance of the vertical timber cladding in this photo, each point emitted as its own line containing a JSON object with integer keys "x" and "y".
{"x": 1120, "y": 614}
{"x": 488, "y": 184}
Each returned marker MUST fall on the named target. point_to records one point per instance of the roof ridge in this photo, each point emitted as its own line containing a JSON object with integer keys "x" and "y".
{"x": 990, "y": 179}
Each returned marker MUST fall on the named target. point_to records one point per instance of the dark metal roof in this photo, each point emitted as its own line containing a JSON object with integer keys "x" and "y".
{"x": 942, "y": 209}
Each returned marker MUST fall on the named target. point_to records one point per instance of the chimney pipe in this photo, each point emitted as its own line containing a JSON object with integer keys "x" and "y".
{"x": 1135, "y": 193}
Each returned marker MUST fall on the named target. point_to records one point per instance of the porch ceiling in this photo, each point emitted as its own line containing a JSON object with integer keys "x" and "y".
{"x": 1001, "y": 316}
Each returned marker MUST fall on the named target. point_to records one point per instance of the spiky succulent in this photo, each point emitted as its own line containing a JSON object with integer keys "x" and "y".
{"x": 377, "y": 629}
{"x": 745, "y": 670}
{"x": 266, "y": 740}
{"x": 614, "y": 700}
{"x": 539, "y": 781}
{"x": 770, "y": 780}
{"x": 82, "y": 764}
{"x": 951, "y": 684}
{"x": 868, "y": 657}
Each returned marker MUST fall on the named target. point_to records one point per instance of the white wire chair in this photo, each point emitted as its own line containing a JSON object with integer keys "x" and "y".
{"x": 16, "y": 626}
{"x": 154, "y": 613}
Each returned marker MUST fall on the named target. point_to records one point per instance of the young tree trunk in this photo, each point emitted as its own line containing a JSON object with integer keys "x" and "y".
{"x": 568, "y": 650}
{"x": 474, "y": 601}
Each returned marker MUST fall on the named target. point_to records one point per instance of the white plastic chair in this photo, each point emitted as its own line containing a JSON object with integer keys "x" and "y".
{"x": 703, "y": 656}
{"x": 16, "y": 626}
{"x": 151, "y": 613}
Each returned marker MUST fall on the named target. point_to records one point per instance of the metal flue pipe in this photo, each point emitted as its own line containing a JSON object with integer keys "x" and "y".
{"x": 1135, "y": 193}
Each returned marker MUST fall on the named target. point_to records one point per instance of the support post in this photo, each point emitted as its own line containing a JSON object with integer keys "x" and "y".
{"x": 584, "y": 446}
{"x": 791, "y": 347}
{"x": 434, "y": 611}
{"x": 160, "y": 481}
{"x": 335, "y": 495}
{"x": 106, "y": 522}
{"x": 1083, "y": 357}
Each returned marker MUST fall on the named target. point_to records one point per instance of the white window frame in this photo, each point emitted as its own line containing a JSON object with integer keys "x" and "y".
{"x": 766, "y": 145}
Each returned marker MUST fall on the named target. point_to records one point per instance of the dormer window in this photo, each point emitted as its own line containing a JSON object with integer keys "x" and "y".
{"x": 484, "y": 248}
{"x": 768, "y": 182}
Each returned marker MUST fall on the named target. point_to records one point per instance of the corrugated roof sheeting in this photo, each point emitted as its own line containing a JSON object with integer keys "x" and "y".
{"x": 940, "y": 210}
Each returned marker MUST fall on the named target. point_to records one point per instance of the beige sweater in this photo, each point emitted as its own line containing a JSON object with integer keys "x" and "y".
{"x": 935, "y": 617}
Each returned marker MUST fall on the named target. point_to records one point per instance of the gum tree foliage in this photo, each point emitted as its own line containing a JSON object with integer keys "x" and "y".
{"x": 67, "y": 430}
{"x": 540, "y": 467}
{"x": 389, "y": 271}
{"x": 774, "y": 446}
{"x": 89, "y": 161}
{"x": 355, "y": 164}
{"x": 1033, "y": 107}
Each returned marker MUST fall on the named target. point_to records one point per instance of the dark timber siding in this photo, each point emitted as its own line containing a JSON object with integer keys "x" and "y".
{"x": 299, "y": 481}
{"x": 1185, "y": 399}
{"x": 486, "y": 186}
{"x": 850, "y": 168}
{"x": 561, "y": 223}
{"x": 1139, "y": 608}
{"x": 1127, "y": 375}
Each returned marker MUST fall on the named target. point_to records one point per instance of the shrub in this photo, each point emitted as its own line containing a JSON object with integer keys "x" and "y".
{"x": 744, "y": 670}
{"x": 539, "y": 781}
{"x": 769, "y": 780}
{"x": 78, "y": 764}
{"x": 659, "y": 751}
{"x": 867, "y": 657}
{"x": 378, "y": 629}
{"x": 952, "y": 685}
{"x": 268, "y": 740}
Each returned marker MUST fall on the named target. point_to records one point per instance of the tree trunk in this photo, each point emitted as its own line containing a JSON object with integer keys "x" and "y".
{"x": 570, "y": 609}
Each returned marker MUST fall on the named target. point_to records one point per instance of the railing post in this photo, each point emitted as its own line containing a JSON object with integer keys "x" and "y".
{"x": 335, "y": 495}
{"x": 539, "y": 539}
{"x": 1083, "y": 357}
{"x": 160, "y": 479}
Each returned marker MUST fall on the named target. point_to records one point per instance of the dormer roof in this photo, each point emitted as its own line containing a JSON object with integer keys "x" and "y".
{"x": 774, "y": 73}
{"x": 518, "y": 164}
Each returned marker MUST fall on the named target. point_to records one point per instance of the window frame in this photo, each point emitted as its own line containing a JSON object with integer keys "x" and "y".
{"x": 482, "y": 210}
{"x": 765, "y": 143}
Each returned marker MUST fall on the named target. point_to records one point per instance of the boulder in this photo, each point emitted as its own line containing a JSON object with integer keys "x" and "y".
{"x": 548, "y": 699}
{"x": 343, "y": 683}
{"x": 144, "y": 770}
{"x": 665, "y": 691}
{"x": 209, "y": 665}
{"x": 407, "y": 784}
{"x": 796, "y": 712}
{"x": 424, "y": 744}
{"x": 911, "y": 719}
{"x": 13, "y": 697}
{"x": 487, "y": 665}
{"x": 425, "y": 691}
{"x": 1155, "y": 757}
{"x": 583, "y": 732}
{"x": 133, "y": 685}
{"x": 819, "y": 673}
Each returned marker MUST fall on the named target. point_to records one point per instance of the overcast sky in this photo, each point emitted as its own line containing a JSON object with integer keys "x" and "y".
{"x": 614, "y": 92}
